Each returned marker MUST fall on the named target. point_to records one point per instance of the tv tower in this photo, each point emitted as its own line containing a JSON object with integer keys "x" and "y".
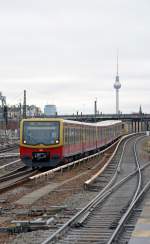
{"x": 117, "y": 86}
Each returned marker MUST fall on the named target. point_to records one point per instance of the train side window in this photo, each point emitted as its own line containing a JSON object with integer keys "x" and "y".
{"x": 101, "y": 133}
{"x": 81, "y": 135}
{"x": 72, "y": 135}
{"x": 69, "y": 129}
{"x": 83, "y": 131}
{"x": 90, "y": 135}
{"x": 78, "y": 135}
{"x": 85, "y": 134}
{"x": 75, "y": 136}
{"x": 65, "y": 136}
{"x": 68, "y": 135}
{"x": 93, "y": 135}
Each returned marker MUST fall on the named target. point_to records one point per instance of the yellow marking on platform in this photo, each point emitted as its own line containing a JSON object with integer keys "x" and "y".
{"x": 141, "y": 233}
{"x": 146, "y": 212}
{"x": 143, "y": 221}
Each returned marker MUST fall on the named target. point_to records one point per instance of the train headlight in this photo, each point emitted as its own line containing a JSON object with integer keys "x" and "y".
{"x": 24, "y": 142}
{"x": 57, "y": 141}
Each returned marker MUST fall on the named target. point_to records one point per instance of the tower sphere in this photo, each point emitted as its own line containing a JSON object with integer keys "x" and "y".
{"x": 117, "y": 85}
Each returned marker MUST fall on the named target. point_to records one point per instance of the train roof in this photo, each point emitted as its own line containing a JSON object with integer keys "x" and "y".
{"x": 109, "y": 122}
{"x": 101, "y": 123}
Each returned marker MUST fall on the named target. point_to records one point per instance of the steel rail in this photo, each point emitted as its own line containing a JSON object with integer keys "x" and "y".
{"x": 88, "y": 182}
{"x": 97, "y": 200}
{"x": 138, "y": 170}
{"x": 17, "y": 172}
{"x": 133, "y": 202}
{"x": 10, "y": 147}
{"x": 22, "y": 179}
{"x": 6, "y": 165}
{"x": 8, "y": 155}
{"x": 109, "y": 191}
{"x": 128, "y": 212}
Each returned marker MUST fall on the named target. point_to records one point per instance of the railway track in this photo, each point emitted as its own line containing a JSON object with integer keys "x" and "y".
{"x": 127, "y": 223}
{"x": 8, "y": 147}
{"x": 15, "y": 178}
{"x": 14, "y": 173}
{"x": 7, "y": 154}
{"x": 7, "y": 166}
{"x": 99, "y": 221}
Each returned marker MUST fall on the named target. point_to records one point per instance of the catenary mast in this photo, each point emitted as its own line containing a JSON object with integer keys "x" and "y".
{"x": 117, "y": 86}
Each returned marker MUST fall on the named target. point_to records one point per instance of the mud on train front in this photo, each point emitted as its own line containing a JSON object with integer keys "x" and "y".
{"x": 41, "y": 142}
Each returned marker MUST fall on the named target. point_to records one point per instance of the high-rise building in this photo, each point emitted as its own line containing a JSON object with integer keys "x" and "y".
{"x": 50, "y": 110}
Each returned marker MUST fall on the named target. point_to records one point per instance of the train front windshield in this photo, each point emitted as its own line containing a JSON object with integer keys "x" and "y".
{"x": 46, "y": 133}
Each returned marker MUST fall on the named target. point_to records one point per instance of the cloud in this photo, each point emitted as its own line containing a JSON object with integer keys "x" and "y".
{"x": 64, "y": 52}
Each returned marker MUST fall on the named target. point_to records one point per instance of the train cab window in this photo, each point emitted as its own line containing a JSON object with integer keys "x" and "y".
{"x": 41, "y": 132}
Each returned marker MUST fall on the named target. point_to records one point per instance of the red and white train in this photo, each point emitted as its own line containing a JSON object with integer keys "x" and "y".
{"x": 46, "y": 142}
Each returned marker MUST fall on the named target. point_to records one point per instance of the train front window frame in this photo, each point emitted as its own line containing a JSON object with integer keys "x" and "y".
{"x": 41, "y": 133}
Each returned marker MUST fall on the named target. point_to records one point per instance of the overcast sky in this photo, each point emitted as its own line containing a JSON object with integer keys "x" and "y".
{"x": 63, "y": 52}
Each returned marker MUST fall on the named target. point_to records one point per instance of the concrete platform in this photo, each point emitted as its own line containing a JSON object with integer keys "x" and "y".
{"x": 141, "y": 233}
{"x": 36, "y": 195}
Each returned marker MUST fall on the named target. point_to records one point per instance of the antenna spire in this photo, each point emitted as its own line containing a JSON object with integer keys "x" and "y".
{"x": 117, "y": 62}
